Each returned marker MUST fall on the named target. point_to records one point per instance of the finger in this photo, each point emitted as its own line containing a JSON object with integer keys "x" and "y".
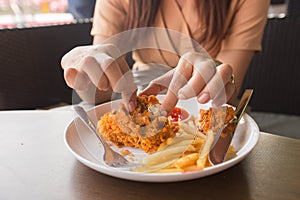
{"x": 73, "y": 58}
{"x": 105, "y": 57}
{"x": 129, "y": 99}
{"x": 75, "y": 79}
{"x": 116, "y": 71}
{"x": 182, "y": 73}
{"x": 82, "y": 66}
{"x": 96, "y": 74}
{"x": 203, "y": 72}
{"x": 132, "y": 102}
{"x": 159, "y": 84}
{"x": 123, "y": 64}
{"x": 112, "y": 69}
{"x": 229, "y": 91}
{"x": 152, "y": 89}
{"x": 106, "y": 53}
{"x": 121, "y": 80}
{"x": 216, "y": 86}
{"x": 93, "y": 70}
{"x": 118, "y": 80}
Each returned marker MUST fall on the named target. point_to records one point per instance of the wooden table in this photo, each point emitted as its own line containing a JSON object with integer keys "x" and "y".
{"x": 35, "y": 164}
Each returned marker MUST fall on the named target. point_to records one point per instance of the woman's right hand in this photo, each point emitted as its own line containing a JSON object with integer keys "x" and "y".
{"x": 103, "y": 66}
{"x": 194, "y": 76}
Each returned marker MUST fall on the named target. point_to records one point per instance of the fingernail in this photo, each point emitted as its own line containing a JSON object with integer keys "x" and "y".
{"x": 103, "y": 87}
{"x": 204, "y": 97}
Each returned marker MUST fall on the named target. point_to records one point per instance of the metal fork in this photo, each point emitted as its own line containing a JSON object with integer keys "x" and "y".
{"x": 110, "y": 157}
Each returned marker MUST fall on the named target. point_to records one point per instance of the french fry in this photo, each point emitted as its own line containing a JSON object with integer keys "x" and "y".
{"x": 201, "y": 135}
{"x": 187, "y": 151}
{"x": 169, "y": 170}
{"x": 165, "y": 155}
{"x": 205, "y": 150}
{"x": 174, "y": 141}
{"x": 191, "y": 168}
{"x": 192, "y": 130}
{"x": 165, "y": 144}
{"x": 190, "y": 148}
{"x": 149, "y": 168}
{"x": 186, "y": 160}
{"x": 198, "y": 141}
{"x": 182, "y": 135}
{"x": 179, "y": 143}
{"x": 192, "y": 123}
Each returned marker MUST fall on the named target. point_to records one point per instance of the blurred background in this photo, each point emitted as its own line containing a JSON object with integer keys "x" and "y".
{"x": 25, "y": 13}
{"x": 28, "y": 13}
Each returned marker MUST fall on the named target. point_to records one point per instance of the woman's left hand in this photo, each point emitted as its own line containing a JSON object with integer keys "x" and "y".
{"x": 194, "y": 75}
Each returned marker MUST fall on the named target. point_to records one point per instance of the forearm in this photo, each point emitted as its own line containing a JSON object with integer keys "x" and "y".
{"x": 239, "y": 61}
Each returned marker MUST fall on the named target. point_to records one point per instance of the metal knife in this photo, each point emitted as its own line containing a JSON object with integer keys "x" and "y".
{"x": 218, "y": 153}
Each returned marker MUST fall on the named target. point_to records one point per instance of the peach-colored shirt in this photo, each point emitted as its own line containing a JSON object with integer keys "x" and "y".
{"x": 244, "y": 26}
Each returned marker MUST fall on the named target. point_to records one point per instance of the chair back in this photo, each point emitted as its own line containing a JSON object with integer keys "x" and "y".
{"x": 30, "y": 72}
{"x": 274, "y": 73}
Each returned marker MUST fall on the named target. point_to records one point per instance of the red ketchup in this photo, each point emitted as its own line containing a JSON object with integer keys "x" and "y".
{"x": 178, "y": 114}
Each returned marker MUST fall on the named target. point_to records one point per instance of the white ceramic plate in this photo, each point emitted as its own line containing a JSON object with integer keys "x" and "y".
{"x": 85, "y": 147}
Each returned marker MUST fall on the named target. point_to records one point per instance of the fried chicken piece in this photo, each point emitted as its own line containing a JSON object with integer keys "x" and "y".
{"x": 140, "y": 128}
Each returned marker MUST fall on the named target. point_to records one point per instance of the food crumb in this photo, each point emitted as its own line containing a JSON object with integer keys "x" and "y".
{"x": 125, "y": 152}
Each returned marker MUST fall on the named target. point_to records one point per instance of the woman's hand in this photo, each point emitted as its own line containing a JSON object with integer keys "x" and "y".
{"x": 103, "y": 66}
{"x": 194, "y": 75}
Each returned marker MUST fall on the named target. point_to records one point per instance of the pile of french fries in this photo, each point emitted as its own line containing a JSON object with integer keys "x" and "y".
{"x": 187, "y": 151}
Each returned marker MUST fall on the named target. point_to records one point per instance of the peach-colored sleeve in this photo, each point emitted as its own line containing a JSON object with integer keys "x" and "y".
{"x": 109, "y": 17}
{"x": 247, "y": 26}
